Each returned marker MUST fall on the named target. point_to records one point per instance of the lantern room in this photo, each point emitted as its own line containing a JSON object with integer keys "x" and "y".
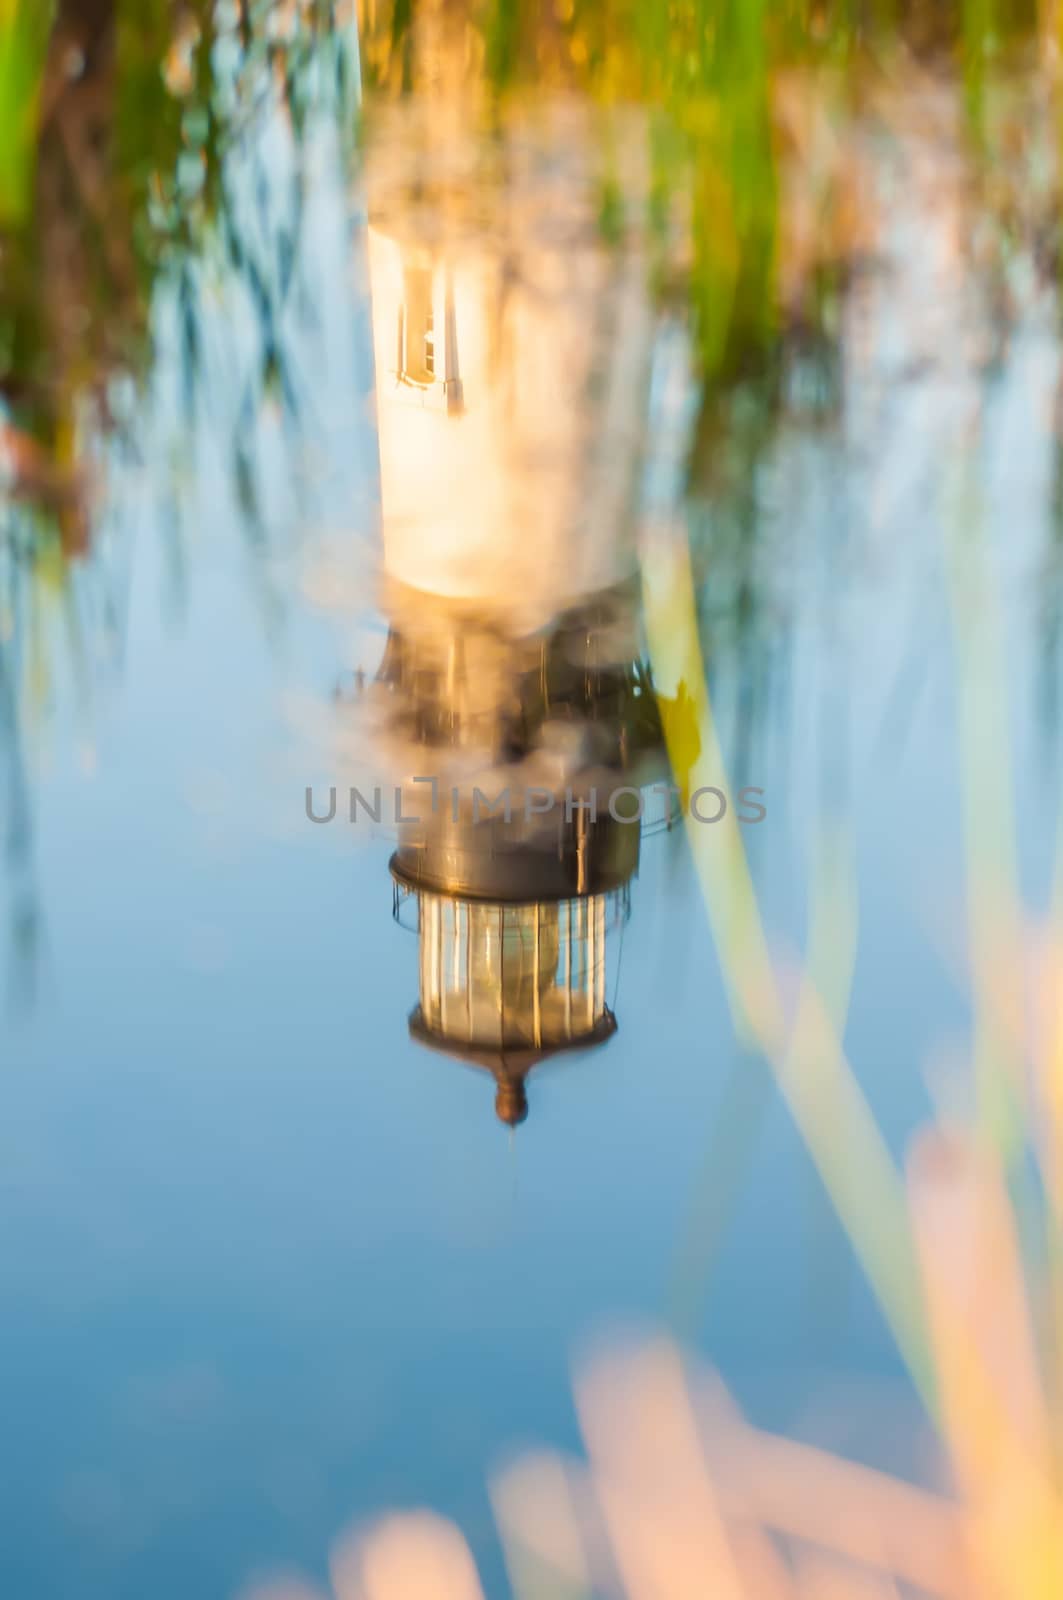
{"x": 514, "y": 977}
{"x": 514, "y": 922}
{"x": 505, "y": 987}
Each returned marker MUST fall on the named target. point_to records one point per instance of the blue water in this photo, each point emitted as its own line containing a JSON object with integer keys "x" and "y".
{"x": 268, "y": 1267}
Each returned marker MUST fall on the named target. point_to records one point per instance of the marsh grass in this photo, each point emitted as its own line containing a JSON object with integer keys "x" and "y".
{"x": 24, "y": 29}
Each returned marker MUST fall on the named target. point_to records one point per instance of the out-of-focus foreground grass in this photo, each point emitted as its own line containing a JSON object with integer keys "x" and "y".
{"x": 975, "y": 1312}
{"x": 678, "y": 1495}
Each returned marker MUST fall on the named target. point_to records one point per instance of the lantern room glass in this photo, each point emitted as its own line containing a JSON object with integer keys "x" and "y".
{"x": 513, "y": 976}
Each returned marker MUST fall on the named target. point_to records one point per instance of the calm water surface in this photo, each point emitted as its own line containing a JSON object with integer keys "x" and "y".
{"x": 268, "y": 1264}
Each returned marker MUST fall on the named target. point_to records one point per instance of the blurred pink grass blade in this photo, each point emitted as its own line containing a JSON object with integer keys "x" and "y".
{"x": 1045, "y": 1005}
{"x": 820, "y": 1578}
{"x": 552, "y": 1525}
{"x": 658, "y": 1501}
{"x": 678, "y": 1452}
{"x": 840, "y": 1506}
{"x": 992, "y": 1407}
{"x": 548, "y": 1521}
{"x": 681, "y": 1497}
{"x": 414, "y": 1555}
{"x": 764, "y": 1571}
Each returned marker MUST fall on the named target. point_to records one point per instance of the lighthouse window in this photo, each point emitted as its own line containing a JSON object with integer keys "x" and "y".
{"x": 418, "y": 334}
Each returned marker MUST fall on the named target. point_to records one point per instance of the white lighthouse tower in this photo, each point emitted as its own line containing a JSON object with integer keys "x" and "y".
{"x": 512, "y": 350}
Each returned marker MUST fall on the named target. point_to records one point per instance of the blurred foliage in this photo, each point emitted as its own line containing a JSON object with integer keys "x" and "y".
{"x": 709, "y": 74}
{"x": 24, "y": 29}
{"x": 117, "y": 114}
{"x": 132, "y": 109}
{"x": 129, "y": 138}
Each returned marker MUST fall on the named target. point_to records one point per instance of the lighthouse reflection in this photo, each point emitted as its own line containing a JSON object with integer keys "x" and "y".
{"x": 522, "y": 833}
{"x": 513, "y": 703}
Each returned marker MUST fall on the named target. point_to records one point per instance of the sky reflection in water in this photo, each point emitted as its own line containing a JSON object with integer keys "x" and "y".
{"x": 267, "y": 1262}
